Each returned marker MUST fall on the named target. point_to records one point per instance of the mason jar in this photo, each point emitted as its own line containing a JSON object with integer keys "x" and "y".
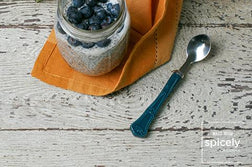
{"x": 92, "y": 52}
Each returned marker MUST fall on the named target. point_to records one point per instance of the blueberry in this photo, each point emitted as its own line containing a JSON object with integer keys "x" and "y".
{"x": 78, "y": 3}
{"x": 107, "y": 21}
{"x": 74, "y": 16}
{"x": 86, "y": 21}
{"x": 97, "y": 8}
{"x": 83, "y": 25}
{"x": 73, "y": 41}
{"x": 91, "y": 3}
{"x": 86, "y": 11}
{"x": 104, "y": 23}
{"x": 116, "y": 6}
{"x": 101, "y": 14}
{"x": 60, "y": 28}
{"x": 109, "y": 6}
{"x": 87, "y": 45}
{"x": 94, "y": 20}
{"x": 115, "y": 11}
{"x": 103, "y": 1}
{"x": 103, "y": 43}
{"x": 71, "y": 9}
{"x": 93, "y": 27}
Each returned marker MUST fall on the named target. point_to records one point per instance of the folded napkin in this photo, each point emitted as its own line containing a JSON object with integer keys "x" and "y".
{"x": 153, "y": 30}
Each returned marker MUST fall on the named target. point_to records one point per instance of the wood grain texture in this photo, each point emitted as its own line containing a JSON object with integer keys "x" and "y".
{"x": 28, "y": 14}
{"x": 41, "y": 125}
{"x": 106, "y": 148}
{"x": 218, "y": 13}
{"x": 224, "y": 80}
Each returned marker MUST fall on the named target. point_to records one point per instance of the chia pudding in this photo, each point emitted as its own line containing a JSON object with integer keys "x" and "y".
{"x": 92, "y": 35}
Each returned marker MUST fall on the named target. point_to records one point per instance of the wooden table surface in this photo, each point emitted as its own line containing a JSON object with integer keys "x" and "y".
{"x": 42, "y": 125}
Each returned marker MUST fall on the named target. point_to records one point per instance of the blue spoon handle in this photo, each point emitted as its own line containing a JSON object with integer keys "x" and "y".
{"x": 140, "y": 127}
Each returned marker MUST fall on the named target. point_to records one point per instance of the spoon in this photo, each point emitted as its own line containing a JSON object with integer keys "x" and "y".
{"x": 197, "y": 49}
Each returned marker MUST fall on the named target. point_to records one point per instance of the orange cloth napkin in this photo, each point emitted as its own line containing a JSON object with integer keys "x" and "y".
{"x": 153, "y": 30}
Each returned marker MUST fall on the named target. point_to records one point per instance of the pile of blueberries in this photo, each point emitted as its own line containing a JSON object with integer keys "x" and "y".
{"x": 91, "y": 15}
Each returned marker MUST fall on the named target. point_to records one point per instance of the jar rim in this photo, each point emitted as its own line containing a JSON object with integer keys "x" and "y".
{"x": 94, "y": 35}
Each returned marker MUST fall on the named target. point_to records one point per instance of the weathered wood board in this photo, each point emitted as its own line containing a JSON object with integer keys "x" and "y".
{"x": 105, "y": 148}
{"x": 42, "y": 125}
{"x": 224, "y": 80}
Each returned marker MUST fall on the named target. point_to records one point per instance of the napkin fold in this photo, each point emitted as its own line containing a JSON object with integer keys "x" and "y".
{"x": 153, "y": 30}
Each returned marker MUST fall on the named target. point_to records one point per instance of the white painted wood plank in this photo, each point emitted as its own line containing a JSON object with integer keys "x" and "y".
{"x": 25, "y": 13}
{"x": 110, "y": 148}
{"x": 41, "y": 125}
{"x": 218, "y": 89}
{"x": 216, "y": 12}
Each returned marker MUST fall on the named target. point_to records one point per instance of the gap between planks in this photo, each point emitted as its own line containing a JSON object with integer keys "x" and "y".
{"x": 212, "y": 25}
{"x": 183, "y": 129}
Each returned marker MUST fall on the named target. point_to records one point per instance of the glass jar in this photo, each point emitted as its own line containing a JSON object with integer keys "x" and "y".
{"x": 86, "y": 54}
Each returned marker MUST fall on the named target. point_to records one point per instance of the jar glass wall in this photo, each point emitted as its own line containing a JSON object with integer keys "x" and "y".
{"x": 93, "y": 51}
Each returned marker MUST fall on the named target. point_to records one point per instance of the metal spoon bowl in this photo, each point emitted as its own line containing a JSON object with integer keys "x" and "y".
{"x": 197, "y": 49}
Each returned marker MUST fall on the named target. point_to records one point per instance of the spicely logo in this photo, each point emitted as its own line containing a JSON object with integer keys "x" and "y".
{"x": 221, "y": 143}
